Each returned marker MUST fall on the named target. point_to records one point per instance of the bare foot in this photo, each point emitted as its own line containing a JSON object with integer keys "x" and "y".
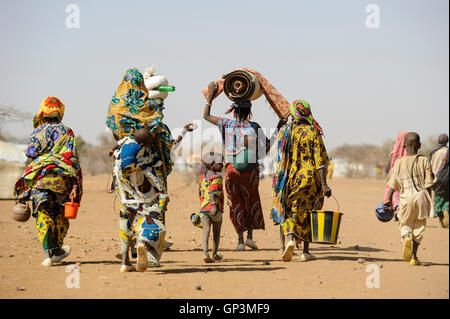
{"x": 217, "y": 257}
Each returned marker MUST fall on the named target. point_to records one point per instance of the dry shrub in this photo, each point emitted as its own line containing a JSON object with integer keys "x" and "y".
{"x": 363, "y": 158}
{"x": 94, "y": 159}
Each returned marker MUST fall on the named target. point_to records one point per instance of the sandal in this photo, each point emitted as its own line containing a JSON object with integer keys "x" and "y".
{"x": 142, "y": 261}
{"x": 127, "y": 268}
{"x": 250, "y": 243}
{"x": 208, "y": 260}
{"x": 288, "y": 252}
{"x": 306, "y": 257}
{"x": 407, "y": 249}
{"x": 66, "y": 253}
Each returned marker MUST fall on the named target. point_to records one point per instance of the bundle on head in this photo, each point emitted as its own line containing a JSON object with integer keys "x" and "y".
{"x": 153, "y": 81}
{"x": 241, "y": 86}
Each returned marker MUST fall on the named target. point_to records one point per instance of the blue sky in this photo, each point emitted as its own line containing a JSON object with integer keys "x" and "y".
{"x": 364, "y": 85}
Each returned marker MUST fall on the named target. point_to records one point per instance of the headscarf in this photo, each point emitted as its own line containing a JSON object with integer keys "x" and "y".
{"x": 51, "y": 107}
{"x": 442, "y": 141}
{"x": 399, "y": 150}
{"x": 130, "y": 108}
{"x": 302, "y": 110}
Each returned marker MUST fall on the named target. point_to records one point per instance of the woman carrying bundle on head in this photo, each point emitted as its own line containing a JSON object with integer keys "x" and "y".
{"x": 299, "y": 180}
{"x": 52, "y": 177}
{"x": 242, "y": 179}
{"x": 142, "y": 164}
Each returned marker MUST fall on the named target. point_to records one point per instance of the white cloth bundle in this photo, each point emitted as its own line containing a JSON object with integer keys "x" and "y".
{"x": 152, "y": 82}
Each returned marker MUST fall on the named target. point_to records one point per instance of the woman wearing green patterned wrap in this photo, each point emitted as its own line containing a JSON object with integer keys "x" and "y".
{"x": 299, "y": 181}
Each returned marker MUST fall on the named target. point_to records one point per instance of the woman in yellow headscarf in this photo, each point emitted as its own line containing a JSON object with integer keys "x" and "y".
{"x": 142, "y": 209}
{"x": 300, "y": 177}
{"x": 52, "y": 177}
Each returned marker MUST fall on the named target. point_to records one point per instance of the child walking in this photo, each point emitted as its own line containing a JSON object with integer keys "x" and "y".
{"x": 211, "y": 203}
{"x": 412, "y": 177}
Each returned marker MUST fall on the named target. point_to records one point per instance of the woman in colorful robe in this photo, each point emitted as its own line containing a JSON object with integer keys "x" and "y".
{"x": 299, "y": 180}
{"x": 130, "y": 110}
{"x": 441, "y": 192}
{"x": 398, "y": 150}
{"x": 52, "y": 177}
{"x": 241, "y": 186}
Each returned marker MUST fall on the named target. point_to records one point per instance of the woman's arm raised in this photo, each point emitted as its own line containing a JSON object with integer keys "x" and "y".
{"x": 212, "y": 87}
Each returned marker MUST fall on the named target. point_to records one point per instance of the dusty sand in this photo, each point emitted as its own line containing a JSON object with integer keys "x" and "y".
{"x": 336, "y": 272}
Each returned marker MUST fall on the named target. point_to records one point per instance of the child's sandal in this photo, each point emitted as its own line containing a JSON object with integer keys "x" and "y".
{"x": 208, "y": 260}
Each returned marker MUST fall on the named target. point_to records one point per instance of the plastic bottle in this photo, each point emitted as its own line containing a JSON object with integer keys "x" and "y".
{"x": 164, "y": 88}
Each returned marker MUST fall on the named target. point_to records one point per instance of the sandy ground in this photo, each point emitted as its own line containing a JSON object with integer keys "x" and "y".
{"x": 336, "y": 273}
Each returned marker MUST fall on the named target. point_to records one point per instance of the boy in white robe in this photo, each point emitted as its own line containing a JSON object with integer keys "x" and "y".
{"x": 412, "y": 177}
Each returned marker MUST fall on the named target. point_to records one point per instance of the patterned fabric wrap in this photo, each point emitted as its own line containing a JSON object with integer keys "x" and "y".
{"x": 51, "y": 224}
{"x": 244, "y": 201}
{"x": 211, "y": 191}
{"x": 302, "y": 110}
{"x": 440, "y": 187}
{"x": 296, "y": 183}
{"x": 55, "y": 167}
{"x": 146, "y": 228}
{"x": 130, "y": 109}
{"x": 276, "y": 100}
{"x": 49, "y": 179}
{"x": 399, "y": 150}
{"x": 51, "y": 107}
{"x": 134, "y": 170}
{"x": 233, "y": 134}
{"x": 139, "y": 188}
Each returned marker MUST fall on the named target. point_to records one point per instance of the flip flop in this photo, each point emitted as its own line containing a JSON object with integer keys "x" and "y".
{"x": 288, "y": 252}
{"x": 250, "y": 243}
{"x": 414, "y": 262}
{"x": 152, "y": 264}
{"x": 407, "y": 249}
{"x": 47, "y": 262}
{"x": 208, "y": 260}
{"x": 217, "y": 257}
{"x": 445, "y": 220}
{"x": 127, "y": 268}
{"x": 306, "y": 257}
{"x": 167, "y": 244}
{"x": 142, "y": 261}
{"x": 66, "y": 249}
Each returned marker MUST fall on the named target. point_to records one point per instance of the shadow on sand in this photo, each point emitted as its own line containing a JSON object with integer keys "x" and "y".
{"x": 218, "y": 268}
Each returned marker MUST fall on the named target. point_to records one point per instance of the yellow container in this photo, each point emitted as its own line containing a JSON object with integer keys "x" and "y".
{"x": 325, "y": 226}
